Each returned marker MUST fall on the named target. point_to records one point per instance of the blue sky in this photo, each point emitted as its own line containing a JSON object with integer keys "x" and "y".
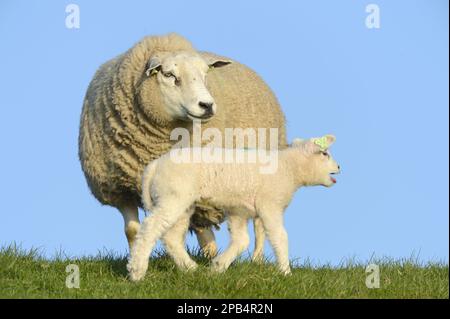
{"x": 382, "y": 92}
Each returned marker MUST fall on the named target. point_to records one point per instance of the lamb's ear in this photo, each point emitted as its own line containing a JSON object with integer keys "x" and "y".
{"x": 331, "y": 139}
{"x": 153, "y": 66}
{"x": 297, "y": 142}
{"x": 324, "y": 142}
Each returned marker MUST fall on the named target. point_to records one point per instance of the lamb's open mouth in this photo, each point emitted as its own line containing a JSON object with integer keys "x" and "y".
{"x": 332, "y": 178}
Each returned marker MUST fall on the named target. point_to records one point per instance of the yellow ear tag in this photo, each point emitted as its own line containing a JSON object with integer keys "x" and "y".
{"x": 322, "y": 143}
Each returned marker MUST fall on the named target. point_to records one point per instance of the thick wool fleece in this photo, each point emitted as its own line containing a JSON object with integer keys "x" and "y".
{"x": 123, "y": 125}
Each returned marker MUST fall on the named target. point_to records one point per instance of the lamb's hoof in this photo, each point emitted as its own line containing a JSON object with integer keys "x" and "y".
{"x": 136, "y": 273}
{"x": 218, "y": 270}
{"x": 136, "y": 276}
{"x": 286, "y": 272}
{"x": 258, "y": 258}
{"x": 217, "y": 267}
{"x": 189, "y": 267}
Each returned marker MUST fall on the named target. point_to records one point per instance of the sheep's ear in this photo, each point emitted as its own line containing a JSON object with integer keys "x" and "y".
{"x": 324, "y": 142}
{"x": 218, "y": 64}
{"x": 215, "y": 63}
{"x": 297, "y": 142}
{"x": 153, "y": 66}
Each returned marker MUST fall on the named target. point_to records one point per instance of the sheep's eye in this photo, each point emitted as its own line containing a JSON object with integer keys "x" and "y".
{"x": 325, "y": 154}
{"x": 168, "y": 74}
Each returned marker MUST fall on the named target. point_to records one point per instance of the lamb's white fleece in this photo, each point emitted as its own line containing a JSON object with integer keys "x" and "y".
{"x": 170, "y": 190}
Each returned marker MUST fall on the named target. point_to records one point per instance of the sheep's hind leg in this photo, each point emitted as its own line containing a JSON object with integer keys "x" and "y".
{"x": 164, "y": 217}
{"x": 174, "y": 241}
{"x": 258, "y": 253}
{"x": 130, "y": 216}
{"x": 207, "y": 241}
{"x": 239, "y": 242}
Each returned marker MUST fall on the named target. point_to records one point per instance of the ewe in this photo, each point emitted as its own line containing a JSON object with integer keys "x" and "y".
{"x": 138, "y": 98}
{"x": 171, "y": 189}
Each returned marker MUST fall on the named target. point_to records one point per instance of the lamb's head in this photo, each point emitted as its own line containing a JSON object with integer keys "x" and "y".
{"x": 318, "y": 166}
{"x": 181, "y": 77}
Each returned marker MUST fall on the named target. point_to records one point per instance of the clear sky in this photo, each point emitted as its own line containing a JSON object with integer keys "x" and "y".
{"x": 383, "y": 93}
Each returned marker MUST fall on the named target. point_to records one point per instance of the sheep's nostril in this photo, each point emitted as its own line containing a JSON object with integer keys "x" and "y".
{"x": 206, "y": 106}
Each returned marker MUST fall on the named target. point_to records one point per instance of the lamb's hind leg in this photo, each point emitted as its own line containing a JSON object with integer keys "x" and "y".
{"x": 164, "y": 217}
{"x": 174, "y": 241}
{"x": 130, "y": 216}
{"x": 239, "y": 241}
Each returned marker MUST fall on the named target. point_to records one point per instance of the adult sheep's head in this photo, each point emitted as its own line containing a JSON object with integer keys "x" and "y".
{"x": 181, "y": 78}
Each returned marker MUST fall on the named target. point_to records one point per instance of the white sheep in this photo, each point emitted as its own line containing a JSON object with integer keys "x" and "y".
{"x": 137, "y": 99}
{"x": 171, "y": 188}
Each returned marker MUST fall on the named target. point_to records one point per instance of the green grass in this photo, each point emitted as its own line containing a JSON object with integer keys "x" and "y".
{"x": 26, "y": 274}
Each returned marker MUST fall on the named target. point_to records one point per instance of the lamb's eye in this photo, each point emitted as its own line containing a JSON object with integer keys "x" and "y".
{"x": 325, "y": 154}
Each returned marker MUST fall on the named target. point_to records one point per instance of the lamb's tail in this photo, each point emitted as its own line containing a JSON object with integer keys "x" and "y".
{"x": 147, "y": 179}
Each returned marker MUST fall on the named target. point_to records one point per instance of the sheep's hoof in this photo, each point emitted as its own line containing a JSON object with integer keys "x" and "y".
{"x": 209, "y": 250}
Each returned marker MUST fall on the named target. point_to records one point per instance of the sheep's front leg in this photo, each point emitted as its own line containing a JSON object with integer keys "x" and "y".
{"x": 174, "y": 241}
{"x": 164, "y": 217}
{"x": 131, "y": 219}
{"x": 258, "y": 227}
{"x": 207, "y": 241}
{"x": 239, "y": 241}
{"x": 278, "y": 238}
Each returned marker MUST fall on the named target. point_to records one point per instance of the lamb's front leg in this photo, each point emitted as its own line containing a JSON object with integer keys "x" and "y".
{"x": 239, "y": 241}
{"x": 152, "y": 228}
{"x": 273, "y": 224}
{"x": 258, "y": 253}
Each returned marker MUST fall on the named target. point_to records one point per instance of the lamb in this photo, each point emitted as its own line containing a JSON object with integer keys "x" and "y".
{"x": 171, "y": 188}
{"x": 137, "y": 99}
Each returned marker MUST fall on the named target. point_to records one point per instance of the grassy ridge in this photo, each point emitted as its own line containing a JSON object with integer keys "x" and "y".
{"x": 26, "y": 274}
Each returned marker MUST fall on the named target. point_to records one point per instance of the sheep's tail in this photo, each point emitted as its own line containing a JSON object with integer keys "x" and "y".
{"x": 147, "y": 179}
